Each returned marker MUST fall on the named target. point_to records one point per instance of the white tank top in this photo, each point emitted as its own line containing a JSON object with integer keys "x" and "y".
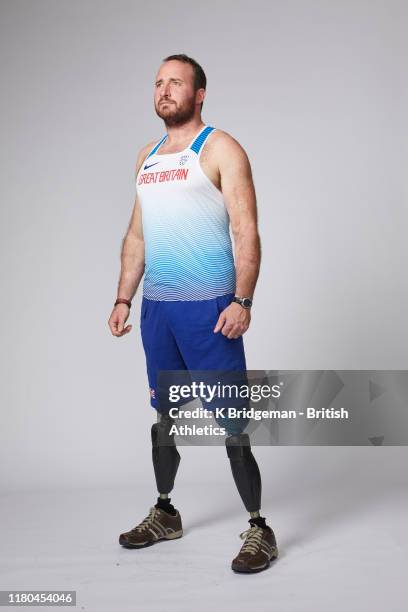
{"x": 188, "y": 250}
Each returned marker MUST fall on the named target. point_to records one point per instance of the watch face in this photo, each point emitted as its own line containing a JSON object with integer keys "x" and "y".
{"x": 247, "y": 303}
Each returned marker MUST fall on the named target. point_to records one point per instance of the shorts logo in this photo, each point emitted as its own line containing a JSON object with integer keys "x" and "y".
{"x": 152, "y": 393}
{"x": 183, "y": 160}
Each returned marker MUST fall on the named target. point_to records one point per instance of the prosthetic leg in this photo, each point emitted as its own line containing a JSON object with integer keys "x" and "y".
{"x": 165, "y": 455}
{"x": 164, "y": 520}
{"x": 245, "y": 471}
{"x": 260, "y": 539}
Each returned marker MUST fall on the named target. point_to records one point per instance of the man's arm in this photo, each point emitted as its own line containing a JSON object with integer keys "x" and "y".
{"x": 132, "y": 256}
{"x": 132, "y": 261}
{"x": 239, "y": 194}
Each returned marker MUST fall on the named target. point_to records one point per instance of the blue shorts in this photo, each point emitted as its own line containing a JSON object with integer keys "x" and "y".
{"x": 178, "y": 335}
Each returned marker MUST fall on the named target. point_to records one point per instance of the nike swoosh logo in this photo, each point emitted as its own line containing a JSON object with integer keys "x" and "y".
{"x": 146, "y": 167}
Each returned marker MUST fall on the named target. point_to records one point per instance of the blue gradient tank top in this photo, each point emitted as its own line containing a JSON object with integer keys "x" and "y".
{"x": 188, "y": 250}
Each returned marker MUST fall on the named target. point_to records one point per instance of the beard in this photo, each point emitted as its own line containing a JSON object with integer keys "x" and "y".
{"x": 176, "y": 115}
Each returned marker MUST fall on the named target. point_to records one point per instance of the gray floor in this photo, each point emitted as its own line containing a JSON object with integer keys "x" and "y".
{"x": 342, "y": 534}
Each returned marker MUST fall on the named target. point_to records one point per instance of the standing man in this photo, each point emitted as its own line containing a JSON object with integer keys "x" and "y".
{"x": 191, "y": 185}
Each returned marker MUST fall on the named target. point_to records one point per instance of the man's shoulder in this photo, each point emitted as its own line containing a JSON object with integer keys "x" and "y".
{"x": 223, "y": 138}
{"x": 144, "y": 152}
{"x": 222, "y": 142}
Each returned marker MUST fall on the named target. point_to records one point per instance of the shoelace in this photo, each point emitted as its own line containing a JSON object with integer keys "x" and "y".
{"x": 146, "y": 522}
{"x": 253, "y": 540}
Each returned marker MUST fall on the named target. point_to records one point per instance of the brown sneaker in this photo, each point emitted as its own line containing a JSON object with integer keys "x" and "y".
{"x": 158, "y": 525}
{"x": 257, "y": 551}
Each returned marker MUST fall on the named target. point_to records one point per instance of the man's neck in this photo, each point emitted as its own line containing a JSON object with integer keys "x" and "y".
{"x": 179, "y": 134}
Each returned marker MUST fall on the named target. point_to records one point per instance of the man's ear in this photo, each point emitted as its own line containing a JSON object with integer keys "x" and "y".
{"x": 200, "y": 95}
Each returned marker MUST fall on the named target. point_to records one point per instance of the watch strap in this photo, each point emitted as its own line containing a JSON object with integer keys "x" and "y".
{"x": 245, "y": 302}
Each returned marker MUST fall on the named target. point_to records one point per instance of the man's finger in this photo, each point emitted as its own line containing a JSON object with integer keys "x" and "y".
{"x": 114, "y": 327}
{"x": 231, "y": 333}
{"x": 220, "y": 323}
{"x": 234, "y": 336}
{"x": 227, "y": 329}
{"x": 236, "y": 331}
{"x": 124, "y": 331}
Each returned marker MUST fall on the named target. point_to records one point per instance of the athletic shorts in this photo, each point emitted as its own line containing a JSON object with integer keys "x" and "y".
{"x": 179, "y": 335}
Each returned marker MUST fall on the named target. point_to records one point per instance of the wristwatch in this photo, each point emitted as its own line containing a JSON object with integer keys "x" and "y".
{"x": 245, "y": 302}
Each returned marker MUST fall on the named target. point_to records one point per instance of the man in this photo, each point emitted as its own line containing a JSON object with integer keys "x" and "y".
{"x": 192, "y": 185}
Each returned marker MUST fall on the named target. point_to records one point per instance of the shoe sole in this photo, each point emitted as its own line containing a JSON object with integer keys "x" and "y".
{"x": 238, "y": 570}
{"x": 172, "y": 536}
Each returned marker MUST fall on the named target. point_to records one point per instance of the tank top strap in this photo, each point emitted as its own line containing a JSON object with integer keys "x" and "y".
{"x": 198, "y": 143}
{"x": 153, "y": 151}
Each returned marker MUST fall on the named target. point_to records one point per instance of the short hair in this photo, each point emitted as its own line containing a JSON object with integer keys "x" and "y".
{"x": 200, "y": 80}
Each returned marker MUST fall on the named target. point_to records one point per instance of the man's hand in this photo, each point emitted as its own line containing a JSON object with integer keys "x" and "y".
{"x": 233, "y": 321}
{"x": 118, "y": 319}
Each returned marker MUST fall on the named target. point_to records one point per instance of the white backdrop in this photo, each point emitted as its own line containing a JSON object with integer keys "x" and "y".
{"x": 316, "y": 93}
